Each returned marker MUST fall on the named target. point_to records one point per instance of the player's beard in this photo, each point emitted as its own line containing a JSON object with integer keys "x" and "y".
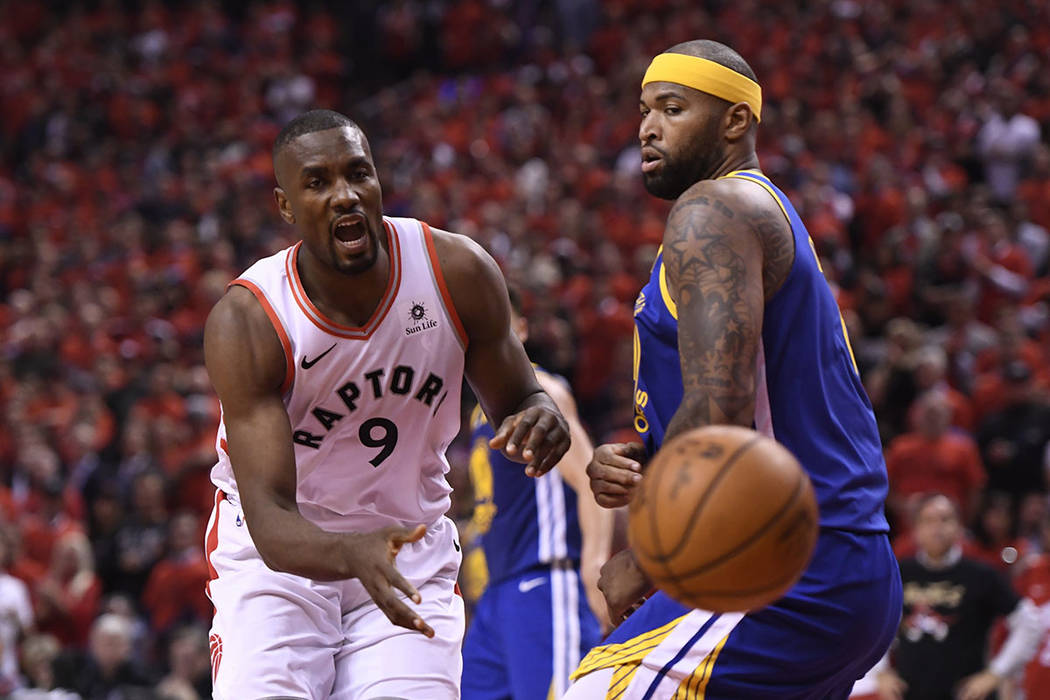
{"x": 682, "y": 170}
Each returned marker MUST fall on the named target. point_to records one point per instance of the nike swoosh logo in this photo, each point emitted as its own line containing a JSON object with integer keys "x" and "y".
{"x": 456, "y": 545}
{"x": 526, "y": 586}
{"x": 307, "y": 364}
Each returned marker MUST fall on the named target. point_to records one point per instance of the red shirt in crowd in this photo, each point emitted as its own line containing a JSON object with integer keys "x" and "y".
{"x": 949, "y": 464}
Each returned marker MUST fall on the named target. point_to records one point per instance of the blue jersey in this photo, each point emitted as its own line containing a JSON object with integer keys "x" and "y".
{"x": 524, "y": 522}
{"x": 809, "y": 395}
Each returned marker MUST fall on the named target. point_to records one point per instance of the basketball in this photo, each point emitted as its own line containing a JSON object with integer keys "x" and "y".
{"x": 724, "y": 520}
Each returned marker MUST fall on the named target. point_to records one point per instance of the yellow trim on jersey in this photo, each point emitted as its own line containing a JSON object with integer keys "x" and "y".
{"x": 695, "y": 686}
{"x": 481, "y": 478}
{"x": 630, "y": 652}
{"x": 665, "y": 293}
{"x": 621, "y": 681}
{"x": 477, "y": 417}
{"x": 736, "y": 176}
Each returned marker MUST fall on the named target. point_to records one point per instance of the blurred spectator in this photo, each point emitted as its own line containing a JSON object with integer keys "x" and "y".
{"x": 175, "y": 590}
{"x": 140, "y": 540}
{"x": 1006, "y": 144}
{"x": 105, "y": 671}
{"x": 950, "y": 604}
{"x": 39, "y": 652}
{"x": 931, "y": 372}
{"x": 1034, "y": 583}
{"x": 1014, "y": 437}
{"x": 994, "y": 535}
{"x": 16, "y": 618}
{"x": 67, "y": 597}
{"x": 932, "y": 458}
{"x": 189, "y": 661}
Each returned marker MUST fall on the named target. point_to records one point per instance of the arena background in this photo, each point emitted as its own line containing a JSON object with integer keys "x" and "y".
{"x": 135, "y": 181}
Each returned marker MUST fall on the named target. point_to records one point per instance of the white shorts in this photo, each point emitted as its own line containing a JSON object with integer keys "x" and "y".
{"x": 277, "y": 635}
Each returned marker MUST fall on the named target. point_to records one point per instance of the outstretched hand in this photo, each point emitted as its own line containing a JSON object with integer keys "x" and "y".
{"x": 537, "y": 436}
{"x": 373, "y": 554}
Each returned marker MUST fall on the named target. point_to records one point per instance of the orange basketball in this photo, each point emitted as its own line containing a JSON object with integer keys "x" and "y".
{"x": 724, "y": 520}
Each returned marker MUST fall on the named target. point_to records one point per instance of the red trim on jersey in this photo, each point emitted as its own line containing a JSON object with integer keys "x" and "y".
{"x": 224, "y": 446}
{"x": 328, "y": 325}
{"x": 211, "y": 541}
{"x": 456, "y": 589}
{"x": 289, "y": 363}
{"x": 428, "y": 237}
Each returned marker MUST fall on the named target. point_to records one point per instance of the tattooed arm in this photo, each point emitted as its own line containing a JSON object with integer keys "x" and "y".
{"x": 719, "y": 237}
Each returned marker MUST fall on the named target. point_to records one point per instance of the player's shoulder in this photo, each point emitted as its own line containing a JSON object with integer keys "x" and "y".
{"x": 458, "y": 254}
{"x": 733, "y": 200}
{"x": 238, "y": 331}
{"x": 236, "y": 310}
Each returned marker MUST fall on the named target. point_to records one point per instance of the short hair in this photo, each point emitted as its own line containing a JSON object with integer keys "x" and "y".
{"x": 717, "y": 52}
{"x": 309, "y": 122}
{"x": 111, "y": 623}
{"x": 929, "y": 497}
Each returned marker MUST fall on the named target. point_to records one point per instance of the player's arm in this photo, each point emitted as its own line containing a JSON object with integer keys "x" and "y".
{"x": 1027, "y": 628}
{"x": 713, "y": 259}
{"x": 246, "y": 363}
{"x": 531, "y": 429}
{"x": 596, "y": 523}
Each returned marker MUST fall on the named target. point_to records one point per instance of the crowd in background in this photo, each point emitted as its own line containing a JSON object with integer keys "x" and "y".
{"x": 135, "y": 182}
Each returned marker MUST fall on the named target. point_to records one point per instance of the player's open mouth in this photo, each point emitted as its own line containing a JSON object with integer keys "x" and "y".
{"x": 351, "y": 233}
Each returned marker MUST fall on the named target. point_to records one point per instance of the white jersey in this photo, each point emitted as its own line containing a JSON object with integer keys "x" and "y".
{"x": 372, "y": 409}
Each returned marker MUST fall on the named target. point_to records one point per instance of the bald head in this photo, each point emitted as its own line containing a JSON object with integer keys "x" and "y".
{"x": 714, "y": 51}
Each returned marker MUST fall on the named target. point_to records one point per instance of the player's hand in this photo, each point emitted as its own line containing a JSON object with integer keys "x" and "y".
{"x": 537, "y": 436}
{"x": 978, "y": 686}
{"x": 624, "y": 585}
{"x": 890, "y": 686}
{"x": 372, "y": 555}
{"x": 615, "y": 470}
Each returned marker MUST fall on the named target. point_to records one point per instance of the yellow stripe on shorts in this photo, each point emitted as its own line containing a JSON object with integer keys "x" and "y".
{"x": 630, "y": 652}
{"x": 695, "y": 686}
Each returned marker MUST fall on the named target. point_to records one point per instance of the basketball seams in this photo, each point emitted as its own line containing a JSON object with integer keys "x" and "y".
{"x": 800, "y": 489}
{"x": 712, "y": 486}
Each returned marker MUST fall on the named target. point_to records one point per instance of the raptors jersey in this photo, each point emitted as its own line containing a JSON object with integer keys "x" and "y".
{"x": 372, "y": 409}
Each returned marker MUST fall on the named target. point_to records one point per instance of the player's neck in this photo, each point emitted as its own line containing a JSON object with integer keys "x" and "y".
{"x": 349, "y": 299}
{"x": 947, "y": 559}
{"x": 734, "y": 162}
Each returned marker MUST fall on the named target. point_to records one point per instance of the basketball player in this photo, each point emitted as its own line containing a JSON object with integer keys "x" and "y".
{"x": 737, "y": 325}
{"x": 339, "y": 362}
{"x": 543, "y": 542}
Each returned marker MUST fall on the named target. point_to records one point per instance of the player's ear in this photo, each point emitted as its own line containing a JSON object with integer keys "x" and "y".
{"x": 738, "y": 121}
{"x": 283, "y": 205}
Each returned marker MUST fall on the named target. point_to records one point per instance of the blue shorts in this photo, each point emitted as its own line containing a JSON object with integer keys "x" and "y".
{"x": 813, "y": 643}
{"x": 527, "y": 635}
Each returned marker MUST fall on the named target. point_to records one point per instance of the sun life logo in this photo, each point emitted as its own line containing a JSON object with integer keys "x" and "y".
{"x": 417, "y": 315}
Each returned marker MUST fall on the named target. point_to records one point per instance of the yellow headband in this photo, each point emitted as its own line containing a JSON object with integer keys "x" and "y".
{"x": 706, "y": 76}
